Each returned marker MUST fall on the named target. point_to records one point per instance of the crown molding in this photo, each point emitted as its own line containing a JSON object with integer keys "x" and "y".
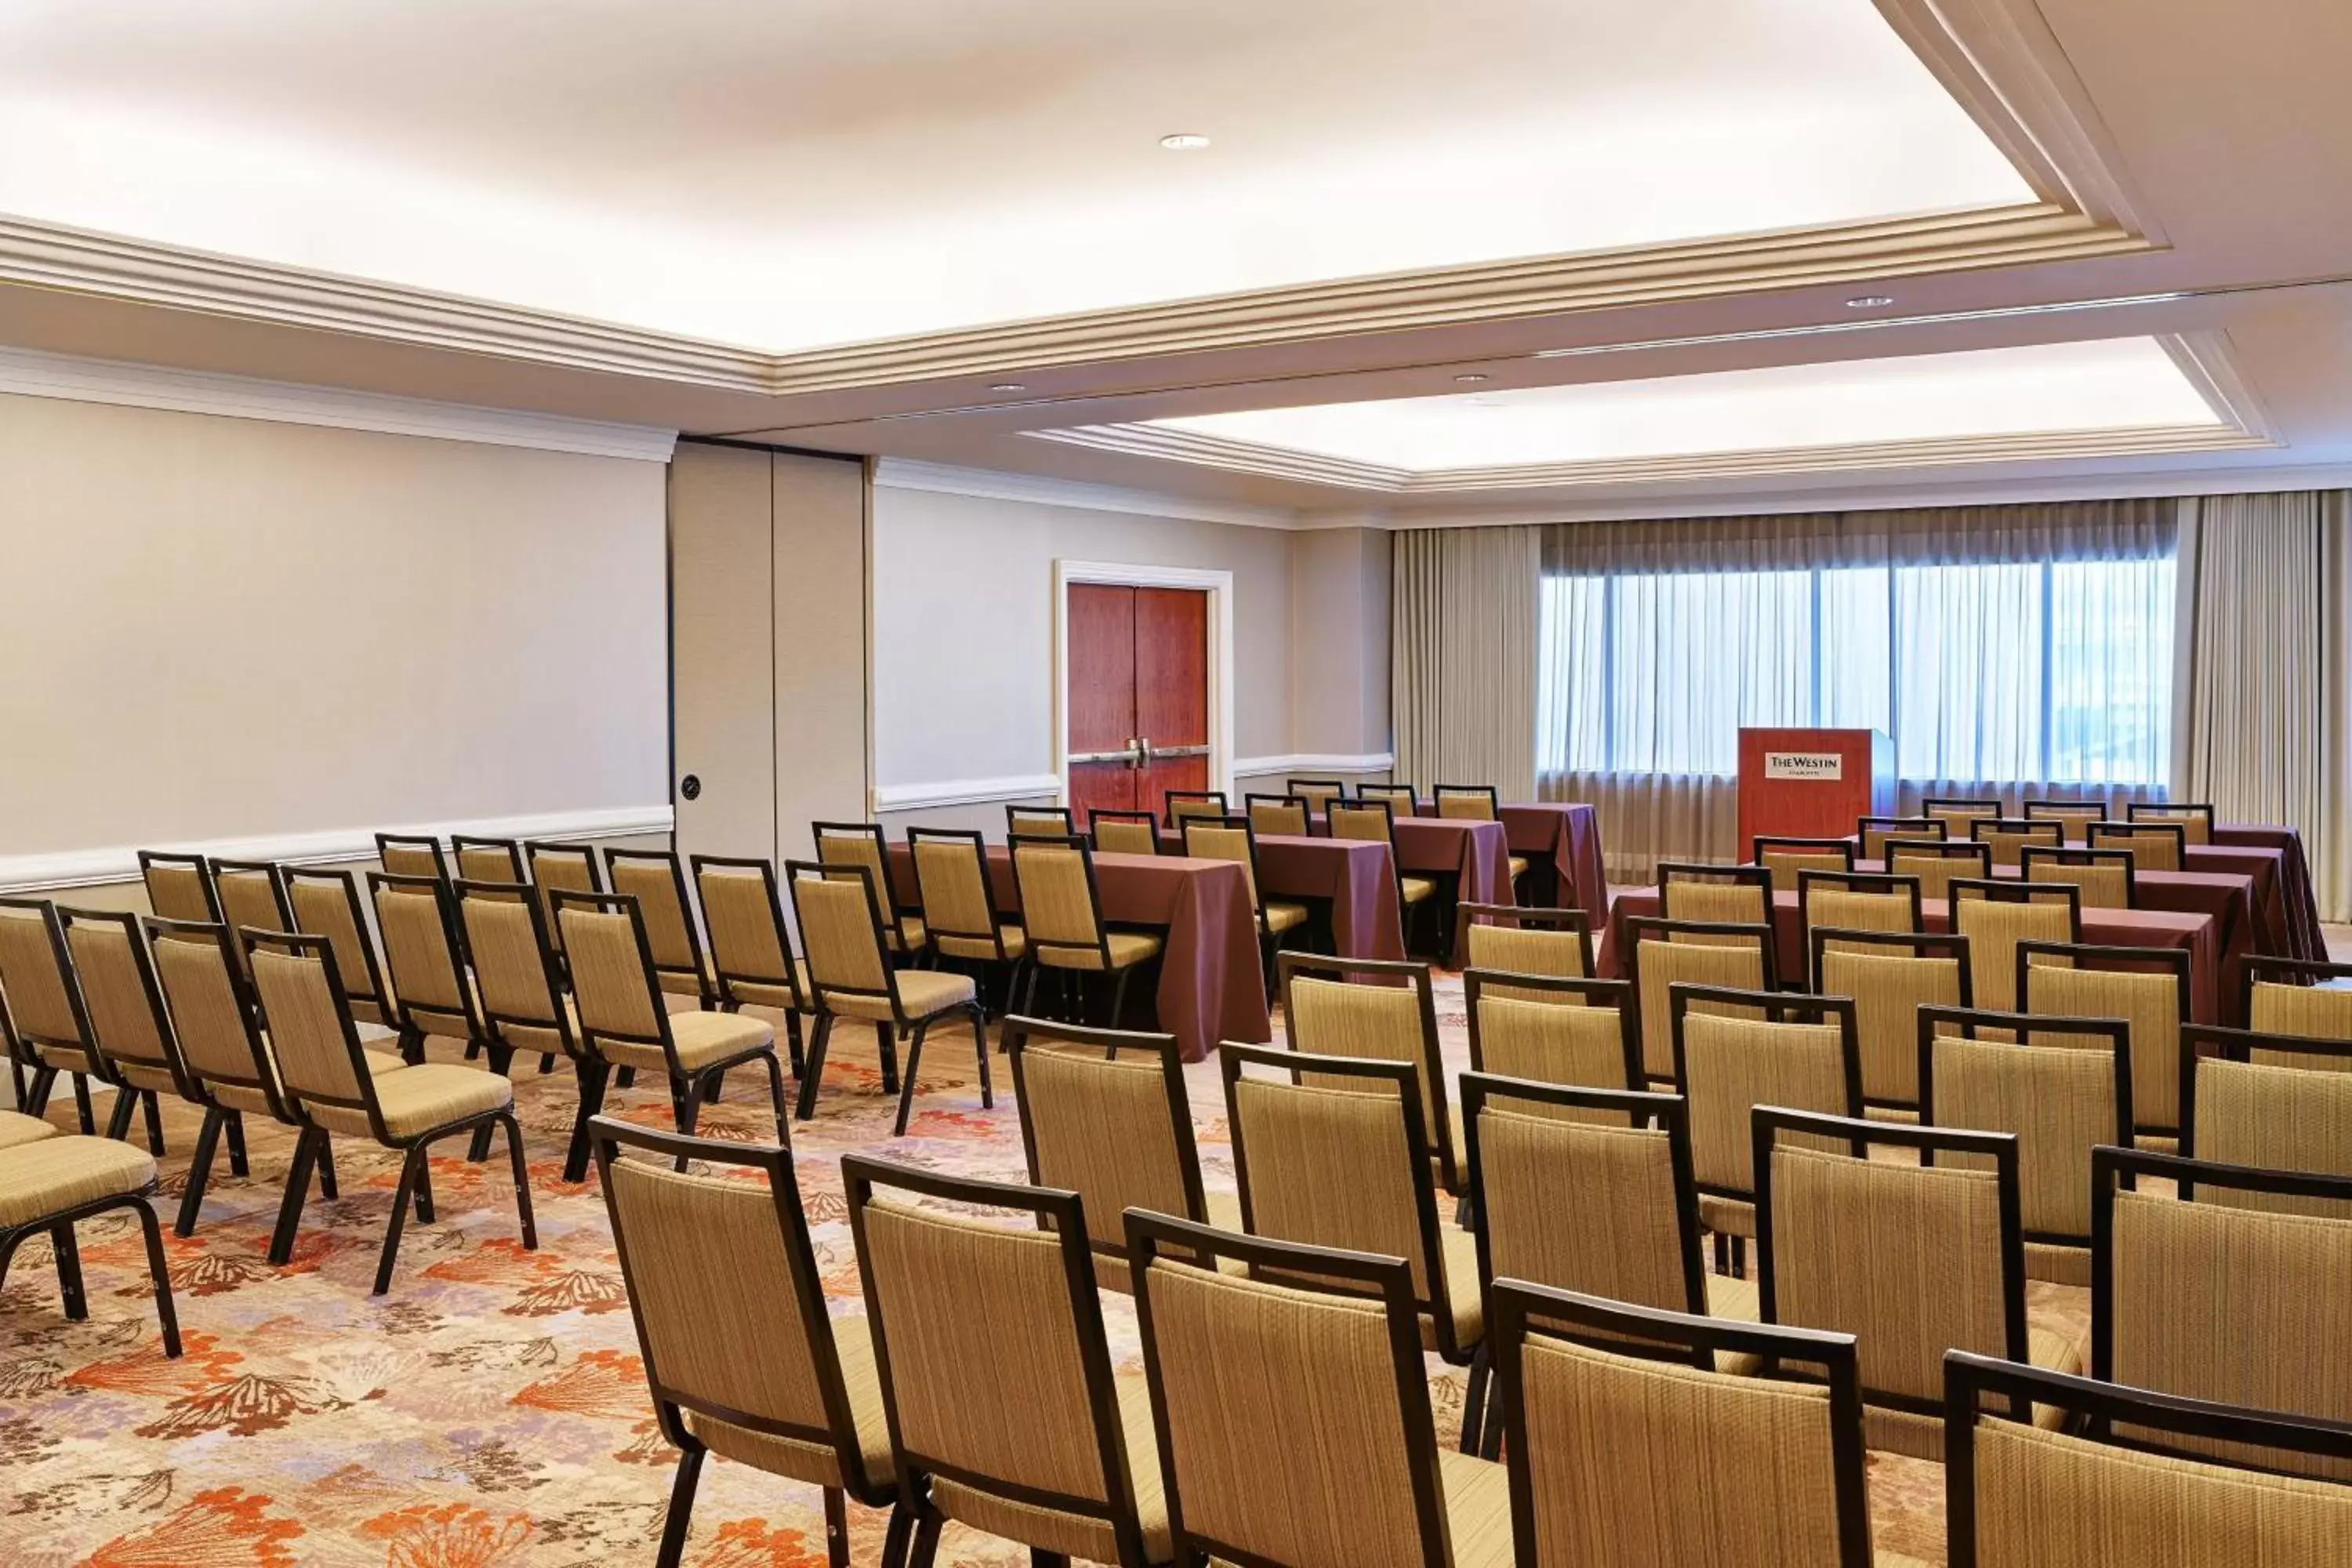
{"x": 990, "y": 484}
{"x": 29, "y": 373}
{"x": 120, "y": 863}
{"x": 965, "y": 791}
{"x": 1314, "y": 763}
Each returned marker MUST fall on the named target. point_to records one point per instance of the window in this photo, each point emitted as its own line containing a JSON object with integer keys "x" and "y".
{"x": 2006, "y": 672}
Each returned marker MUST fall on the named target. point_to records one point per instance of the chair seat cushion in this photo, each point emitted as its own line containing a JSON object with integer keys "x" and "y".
{"x": 62, "y": 1057}
{"x": 1732, "y": 1216}
{"x": 1922, "y": 1436}
{"x": 1461, "y": 1296}
{"x": 913, "y": 926}
{"x": 1477, "y": 1510}
{"x": 242, "y": 1096}
{"x": 414, "y": 1100}
{"x": 17, "y": 1129}
{"x": 702, "y": 1038}
{"x": 1127, "y": 949}
{"x": 761, "y": 994}
{"x": 1015, "y": 940}
{"x": 1518, "y": 867}
{"x": 816, "y": 1464}
{"x": 922, "y": 992}
{"x": 1413, "y": 890}
{"x": 1281, "y": 917}
{"x": 141, "y": 1075}
{"x": 51, "y": 1176}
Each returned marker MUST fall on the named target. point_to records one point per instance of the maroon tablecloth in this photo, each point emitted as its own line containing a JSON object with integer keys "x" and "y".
{"x": 2111, "y": 928}
{"x": 1354, "y": 875}
{"x": 1210, "y": 985}
{"x": 2300, "y": 898}
{"x": 1478, "y": 854}
{"x": 2273, "y": 931}
{"x": 1566, "y": 839}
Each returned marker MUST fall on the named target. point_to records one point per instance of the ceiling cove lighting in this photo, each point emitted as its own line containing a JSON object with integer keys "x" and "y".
{"x": 1009, "y": 387}
{"x": 1184, "y": 141}
{"x": 1826, "y": 328}
{"x": 1869, "y": 301}
{"x": 1469, "y": 380}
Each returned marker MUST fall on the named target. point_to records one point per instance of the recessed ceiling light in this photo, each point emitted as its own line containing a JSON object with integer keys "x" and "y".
{"x": 1869, "y": 301}
{"x": 1009, "y": 387}
{"x": 1466, "y": 379}
{"x": 1184, "y": 141}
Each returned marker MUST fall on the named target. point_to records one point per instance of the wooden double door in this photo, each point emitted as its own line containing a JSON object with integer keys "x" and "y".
{"x": 1138, "y": 696}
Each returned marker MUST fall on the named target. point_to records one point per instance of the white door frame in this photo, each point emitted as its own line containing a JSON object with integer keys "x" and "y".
{"x": 1219, "y": 585}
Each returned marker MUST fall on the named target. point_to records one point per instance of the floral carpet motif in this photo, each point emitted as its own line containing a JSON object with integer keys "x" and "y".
{"x": 490, "y": 1410}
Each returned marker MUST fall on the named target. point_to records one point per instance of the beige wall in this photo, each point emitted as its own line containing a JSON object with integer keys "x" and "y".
{"x": 228, "y": 628}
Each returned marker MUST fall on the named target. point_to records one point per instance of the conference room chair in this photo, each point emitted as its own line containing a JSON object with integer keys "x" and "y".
{"x": 489, "y": 859}
{"x": 751, "y": 961}
{"x": 1331, "y": 1151}
{"x": 959, "y": 908}
{"x": 2147, "y": 987}
{"x": 326, "y": 903}
{"x": 250, "y": 896}
{"x": 1857, "y": 900}
{"x": 567, "y": 868}
{"x": 1890, "y": 975}
{"x": 1373, "y": 820}
{"x": 2195, "y": 820}
{"x": 1623, "y": 1459}
{"x": 859, "y": 846}
{"x": 17, "y": 1128}
{"x": 1960, "y": 814}
{"x": 424, "y": 957}
{"x": 996, "y": 1377}
{"x": 1319, "y": 793}
{"x": 1403, "y": 799}
{"x": 1522, "y": 940}
{"x": 1943, "y": 1269}
{"x": 1782, "y": 1049}
{"x": 1938, "y": 864}
{"x": 179, "y": 886}
{"x": 2017, "y": 1494}
{"x": 850, "y": 976}
{"x": 1061, "y": 908}
{"x": 1666, "y": 953}
{"x": 1344, "y": 1007}
{"x": 2073, "y": 816}
{"x": 520, "y": 999}
{"x": 1997, "y": 916}
{"x": 741, "y": 1356}
{"x": 50, "y": 1185}
{"x": 657, "y": 879}
{"x": 2153, "y": 846}
{"x": 1184, "y": 804}
{"x": 622, "y": 1018}
{"x": 1280, "y": 813}
{"x": 2004, "y": 1073}
{"x": 1877, "y": 832}
{"x": 2010, "y": 837}
{"x": 1123, "y": 832}
{"x": 1293, "y": 1410}
{"x": 2275, "y": 1102}
{"x": 1724, "y": 895}
{"x": 2205, "y": 1295}
{"x": 128, "y": 1027}
{"x": 41, "y": 1015}
{"x": 1476, "y": 803}
{"x": 1553, "y": 1030}
{"x": 2106, "y": 877}
{"x": 1052, "y": 821}
{"x": 1788, "y": 858}
{"x": 2298, "y": 996}
{"x": 333, "y": 1086}
{"x": 1278, "y": 920}
{"x": 412, "y": 855}
{"x": 1105, "y": 1114}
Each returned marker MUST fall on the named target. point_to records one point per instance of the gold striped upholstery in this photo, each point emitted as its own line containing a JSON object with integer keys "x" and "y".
{"x": 1994, "y": 927}
{"x": 416, "y": 950}
{"x": 2150, "y": 1002}
{"x": 2320, "y": 1012}
{"x": 1274, "y": 817}
{"x": 1466, "y": 807}
{"x": 554, "y": 870}
{"x": 414, "y": 1100}
{"x": 1935, "y": 871}
{"x": 865, "y": 849}
{"x": 1181, "y": 811}
{"x": 1319, "y": 795}
{"x": 957, "y": 905}
{"x": 1205, "y": 841}
{"x": 2153, "y": 850}
{"x": 1362, "y": 822}
{"x": 2060, "y": 1103}
{"x": 1057, "y": 905}
{"x": 407, "y": 861}
{"x": 1658, "y": 965}
{"x": 1115, "y": 837}
{"x": 49, "y": 1175}
{"x": 2009, "y": 843}
{"x": 2192, "y": 823}
{"x": 39, "y": 1004}
{"x": 2105, "y": 885}
{"x": 208, "y": 1019}
{"x": 175, "y": 891}
{"x": 122, "y": 1018}
{"x": 1876, "y": 840}
{"x": 1036, "y": 819}
{"x": 1523, "y": 950}
{"x": 1785, "y": 864}
{"x": 2075, "y": 821}
{"x": 654, "y": 884}
{"x": 324, "y": 908}
{"x": 1733, "y": 1064}
{"x": 1551, "y": 1043}
{"x": 2273, "y": 1118}
{"x": 17, "y": 1129}
{"x": 508, "y": 972}
{"x": 248, "y": 899}
{"x": 837, "y": 935}
{"x": 1333, "y": 1019}
{"x": 1619, "y": 1238}
{"x": 1103, "y": 1129}
{"x": 486, "y": 863}
{"x": 1841, "y": 908}
{"x": 1735, "y": 903}
{"x": 746, "y": 942}
{"x": 306, "y": 1030}
{"x": 608, "y": 974}
{"x": 1959, "y": 817}
{"x": 1888, "y": 990}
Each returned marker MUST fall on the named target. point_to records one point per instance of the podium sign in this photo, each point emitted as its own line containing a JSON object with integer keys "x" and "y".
{"x": 1811, "y": 783}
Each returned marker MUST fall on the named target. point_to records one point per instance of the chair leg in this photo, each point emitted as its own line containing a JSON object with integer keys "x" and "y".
{"x": 200, "y": 1168}
{"x": 593, "y": 1076}
{"x": 425, "y": 1214}
{"x": 886, "y": 1046}
{"x": 479, "y": 1149}
{"x": 836, "y": 1527}
{"x": 70, "y": 1283}
{"x": 1119, "y": 996}
{"x": 1041, "y": 1558}
{"x": 298, "y": 1188}
{"x": 118, "y": 1120}
{"x": 688, "y": 1109}
{"x": 81, "y": 1104}
{"x": 1722, "y": 1253}
{"x": 628, "y": 1077}
{"x": 815, "y": 1071}
{"x": 546, "y": 1063}
{"x": 1474, "y": 1400}
{"x": 1490, "y": 1447}
{"x": 160, "y": 1273}
{"x": 410, "y": 1165}
{"x": 792, "y": 1040}
{"x": 681, "y": 1507}
{"x": 1029, "y": 998}
{"x": 238, "y": 1166}
{"x": 926, "y": 1540}
{"x": 717, "y": 1082}
{"x": 523, "y": 1214}
{"x": 907, "y": 1088}
{"x": 36, "y": 1101}
{"x": 776, "y": 1097}
{"x": 155, "y": 1123}
{"x": 16, "y": 1080}
{"x": 893, "y": 1539}
{"x": 327, "y": 1168}
{"x": 980, "y": 1048}
{"x": 412, "y": 1048}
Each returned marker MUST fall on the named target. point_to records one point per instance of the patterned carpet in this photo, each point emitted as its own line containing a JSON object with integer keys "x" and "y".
{"x": 489, "y": 1410}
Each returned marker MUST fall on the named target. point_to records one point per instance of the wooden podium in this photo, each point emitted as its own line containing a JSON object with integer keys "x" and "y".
{"x": 1811, "y": 783}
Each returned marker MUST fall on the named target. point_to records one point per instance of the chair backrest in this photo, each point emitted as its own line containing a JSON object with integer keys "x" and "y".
{"x": 729, "y": 1306}
{"x": 518, "y": 985}
{"x": 1403, "y": 799}
{"x": 1345, "y": 1007}
{"x": 1670, "y": 952}
{"x": 1891, "y": 975}
{"x": 2298, "y": 996}
{"x": 2153, "y": 846}
{"x": 2217, "y": 1301}
{"x": 1125, "y": 832}
{"x": 2196, "y": 820}
{"x": 39, "y": 1002}
{"x": 1943, "y": 1269}
{"x": 326, "y": 903}
{"x": 988, "y": 1347}
{"x": 1878, "y": 832}
{"x": 120, "y": 997}
{"x": 2073, "y": 816}
{"x": 2019, "y": 1493}
{"x": 1557, "y": 942}
{"x": 1230, "y": 838}
{"x": 1786, "y": 858}
{"x": 2010, "y": 837}
{"x": 1283, "y": 814}
{"x": 569, "y": 867}
{"x": 1189, "y": 803}
{"x": 842, "y": 936}
{"x": 179, "y": 888}
{"x": 1996, "y": 916}
{"x": 614, "y": 990}
{"x": 750, "y": 952}
{"x": 489, "y": 859}
{"x": 1366, "y": 819}
{"x": 1622, "y": 1458}
{"x": 657, "y": 881}
{"x": 1105, "y": 1114}
{"x": 219, "y": 1042}
{"x": 1633, "y": 1233}
{"x": 1858, "y": 901}
{"x": 2104, "y": 875}
{"x": 1554, "y": 1030}
{"x": 1938, "y": 865}
{"x": 1294, "y": 1421}
{"x": 859, "y": 846}
{"x": 2147, "y": 987}
{"x": 2004, "y": 1073}
{"x": 1726, "y": 895}
{"x": 1319, "y": 793}
{"x": 250, "y": 896}
{"x": 312, "y": 1036}
{"x": 951, "y": 880}
{"x": 1474, "y": 803}
{"x": 1960, "y": 813}
{"x": 2276, "y": 1102}
{"x": 411, "y": 855}
{"x": 1790, "y": 1050}
{"x": 417, "y": 918}
{"x": 1061, "y": 905}
{"x": 1052, "y": 820}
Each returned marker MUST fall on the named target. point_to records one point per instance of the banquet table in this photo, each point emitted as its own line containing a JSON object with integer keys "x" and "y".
{"x": 1353, "y": 876}
{"x": 1477, "y": 854}
{"x": 1210, "y": 985}
{"x": 2298, "y": 900}
{"x": 1561, "y": 842}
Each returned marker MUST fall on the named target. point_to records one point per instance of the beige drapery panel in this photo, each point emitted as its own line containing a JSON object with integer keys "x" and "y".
{"x": 1463, "y": 627}
{"x": 2266, "y": 676}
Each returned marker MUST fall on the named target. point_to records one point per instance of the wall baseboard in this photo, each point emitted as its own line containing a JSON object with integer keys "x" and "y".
{"x": 120, "y": 863}
{"x": 964, "y": 791}
{"x": 1309, "y": 765}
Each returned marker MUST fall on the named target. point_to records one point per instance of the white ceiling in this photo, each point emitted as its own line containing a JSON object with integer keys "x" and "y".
{"x": 820, "y": 172}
